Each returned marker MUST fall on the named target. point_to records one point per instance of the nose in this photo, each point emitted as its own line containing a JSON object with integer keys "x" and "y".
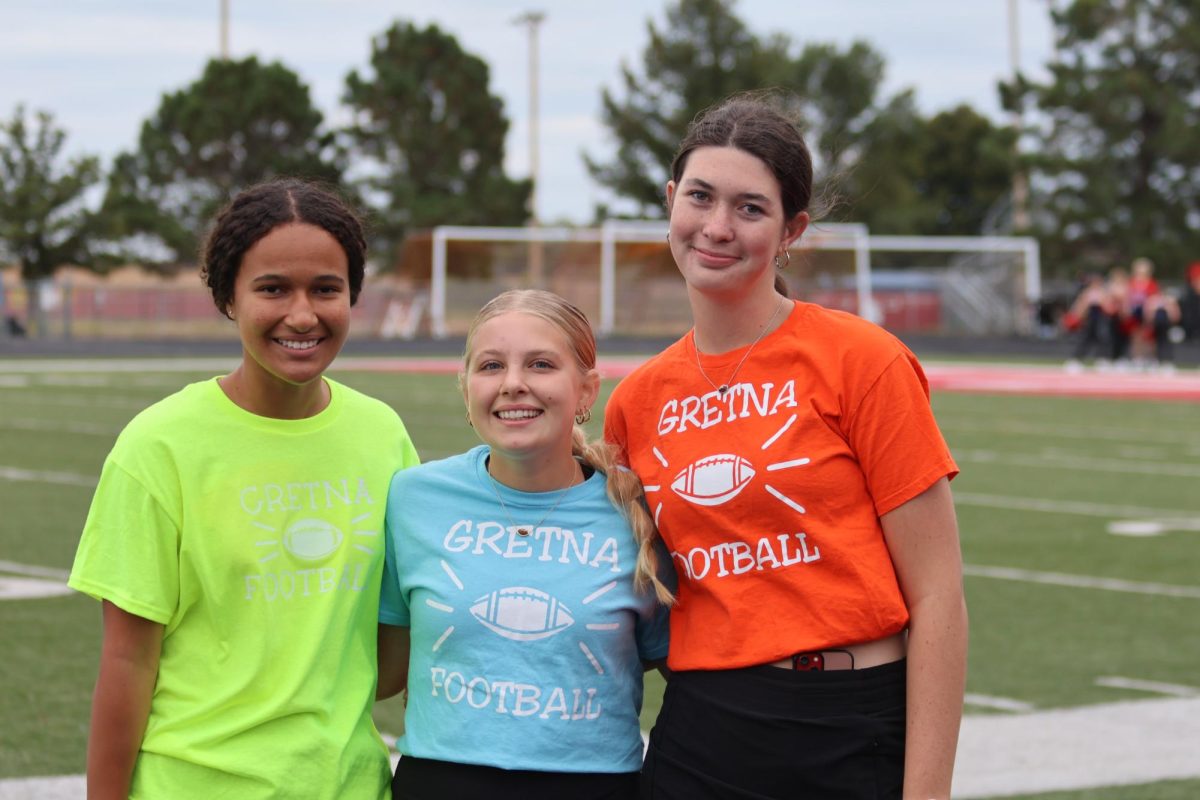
{"x": 301, "y": 315}
{"x": 514, "y": 382}
{"x": 717, "y": 226}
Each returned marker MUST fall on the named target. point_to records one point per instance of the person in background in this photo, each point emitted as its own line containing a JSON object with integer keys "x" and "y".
{"x": 1121, "y": 323}
{"x": 236, "y": 538}
{"x": 1189, "y": 307}
{"x": 1089, "y": 314}
{"x": 522, "y": 596}
{"x": 793, "y": 465}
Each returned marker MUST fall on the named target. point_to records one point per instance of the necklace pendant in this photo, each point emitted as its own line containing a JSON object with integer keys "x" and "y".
{"x": 722, "y": 389}
{"x": 523, "y": 531}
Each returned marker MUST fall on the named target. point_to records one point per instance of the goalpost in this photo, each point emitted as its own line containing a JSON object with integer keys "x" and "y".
{"x": 622, "y": 275}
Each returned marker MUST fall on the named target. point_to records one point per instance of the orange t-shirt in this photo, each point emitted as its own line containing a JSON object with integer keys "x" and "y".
{"x": 769, "y": 497}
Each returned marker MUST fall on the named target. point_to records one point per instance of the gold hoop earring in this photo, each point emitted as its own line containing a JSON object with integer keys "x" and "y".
{"x": 785, "y": 261}
{"x": 583, "y": 415}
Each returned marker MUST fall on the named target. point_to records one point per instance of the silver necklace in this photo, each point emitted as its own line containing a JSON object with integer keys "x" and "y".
{"x": 525, "y": 530}
{"x": 724, "y": 387}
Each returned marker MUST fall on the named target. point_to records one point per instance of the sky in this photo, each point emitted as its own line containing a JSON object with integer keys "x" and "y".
{"x": 101, "y": 66}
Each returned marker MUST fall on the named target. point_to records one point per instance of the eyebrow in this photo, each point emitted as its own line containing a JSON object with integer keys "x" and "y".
{"x": 703, "y": 184}
{"x": 274, "y": 277}
{"x": 530, "y": 354}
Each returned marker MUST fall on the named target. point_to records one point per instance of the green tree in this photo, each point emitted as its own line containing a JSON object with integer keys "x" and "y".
{"x": 44, "y": 221}
{"x": 934, "y": 176}
{"x": 431, "y": 136}
{"x": 240, "y": 123}
{"x": 704, "y": 53}
{"x": 1115, "y": 152}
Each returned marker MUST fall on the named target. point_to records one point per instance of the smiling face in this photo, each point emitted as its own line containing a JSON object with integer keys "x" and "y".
{"x": 291, "y": 302}
{"x": 727, "y": 221}
{"x": 522, "y": 386}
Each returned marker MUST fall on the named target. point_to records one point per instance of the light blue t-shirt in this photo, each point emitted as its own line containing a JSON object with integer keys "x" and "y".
{"x": 526, "y": 650}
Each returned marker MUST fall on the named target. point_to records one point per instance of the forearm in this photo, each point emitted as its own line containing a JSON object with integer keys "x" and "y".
{"x": 937, "y": 667}
{"x": 392, "y": 651}
{"x": 120, "y": 711}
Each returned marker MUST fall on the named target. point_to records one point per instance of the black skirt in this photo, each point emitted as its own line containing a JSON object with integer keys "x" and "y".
{"x": 429, "y": 779}
{"x": 768, "y": 733}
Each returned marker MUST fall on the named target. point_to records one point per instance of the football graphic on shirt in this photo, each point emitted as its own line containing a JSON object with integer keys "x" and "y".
{"x": 713, "y": 480}
{"x": 311, "y": 539}
{"x": 522, "y": 614}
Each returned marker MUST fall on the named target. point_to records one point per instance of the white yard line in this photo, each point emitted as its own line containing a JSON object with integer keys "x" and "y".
{"x": 1082, "y": 581}
{"x": 1080, "y": 462}
{"x": 44, "y": 476}
{"x": 1108, "y": 510}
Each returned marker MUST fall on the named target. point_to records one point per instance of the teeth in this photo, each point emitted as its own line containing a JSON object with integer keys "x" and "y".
{"x": 521, "y": 414}
{"x": 291, "y": 344}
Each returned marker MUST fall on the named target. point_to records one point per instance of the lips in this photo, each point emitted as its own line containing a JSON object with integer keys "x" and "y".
{"x": 709, "y": 258}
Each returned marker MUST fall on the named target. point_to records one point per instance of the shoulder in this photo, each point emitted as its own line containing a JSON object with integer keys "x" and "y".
{"x": 362, "y": 404}
{"x": 444, "y": 473}
{"x": 649, "y": 373}
{"x": 845, "y": 340}
{"x": 165, "y": 418}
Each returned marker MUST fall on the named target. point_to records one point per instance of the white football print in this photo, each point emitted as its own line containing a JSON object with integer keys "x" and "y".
{"x": 522, "y": 614}
{"x": 713, "y": 480}
{"x": 311, "y": 539}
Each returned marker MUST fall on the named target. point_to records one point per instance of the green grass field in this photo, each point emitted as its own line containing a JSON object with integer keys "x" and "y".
{"x": 1059, "y": 605}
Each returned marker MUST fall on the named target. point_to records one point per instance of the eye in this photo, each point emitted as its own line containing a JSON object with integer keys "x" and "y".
{"x": 752, "y": 210}
{"x": 488, "y": 366}
{"x": 541, "y": 363}
{"x": 329, "y": 290}
{"x": 699, "y": 195}
{"x": 269, "y": 289}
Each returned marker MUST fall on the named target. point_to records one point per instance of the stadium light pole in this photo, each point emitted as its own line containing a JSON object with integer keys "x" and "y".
{"x": 1020, "y": 183}
{"x": 224, "y": 30}
{"x": 532, "y": 19}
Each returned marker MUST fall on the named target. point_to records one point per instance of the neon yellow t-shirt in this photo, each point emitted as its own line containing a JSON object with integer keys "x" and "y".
{"x": 258, "y": 543}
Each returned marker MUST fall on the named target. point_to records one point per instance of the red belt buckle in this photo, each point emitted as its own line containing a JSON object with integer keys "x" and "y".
{"x": 808, "y": 662}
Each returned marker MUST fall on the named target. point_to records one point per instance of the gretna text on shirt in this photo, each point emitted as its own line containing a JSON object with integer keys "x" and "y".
{"x": 295, "y": 552}
{"x": 736, "y": 558}
{"x": 309, "y": 495}
{"x": 514, "y": 698}
{"x": 546, "y": 543}
{"x": 742, "y": 400}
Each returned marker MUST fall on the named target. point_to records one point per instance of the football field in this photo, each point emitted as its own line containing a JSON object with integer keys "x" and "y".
{"x": 1080, "y": 523}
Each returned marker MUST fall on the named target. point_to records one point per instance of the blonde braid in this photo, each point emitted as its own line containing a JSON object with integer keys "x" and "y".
{"x": 625, "y": 492}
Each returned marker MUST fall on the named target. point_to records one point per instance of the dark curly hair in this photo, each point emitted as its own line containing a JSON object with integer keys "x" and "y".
{"x": 257, "y": 211}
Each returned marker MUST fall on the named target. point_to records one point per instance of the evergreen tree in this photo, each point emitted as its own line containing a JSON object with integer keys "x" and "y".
{"x": 1115, "y": 159}
{"x": 241, "y": 123}
{"x": 431, "y": 136}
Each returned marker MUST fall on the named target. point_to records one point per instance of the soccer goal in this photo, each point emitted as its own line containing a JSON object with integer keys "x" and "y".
{"x": 623, "y": 277}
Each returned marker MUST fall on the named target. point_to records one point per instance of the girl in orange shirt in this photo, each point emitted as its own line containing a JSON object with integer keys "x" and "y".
{"x": 791, "y": 461}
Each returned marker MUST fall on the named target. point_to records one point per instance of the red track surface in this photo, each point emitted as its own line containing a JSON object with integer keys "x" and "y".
{"x": 984, "y": 378}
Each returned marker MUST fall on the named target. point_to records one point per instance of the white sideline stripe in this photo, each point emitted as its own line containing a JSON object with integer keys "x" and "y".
{"x": 32, "y": 570}
{"x": 1116, "y": 744}
{"x": 1082, "y": 581}
{"x": 57, "y": 365}
{"x": 1070, "y": 507}
{"x": 58, "y": 426}
{"x": 39, "y": 476}
{"x": 1171, "y": 470}
{"x": 998, "y": 703}
{"x": 1158, "y": 687}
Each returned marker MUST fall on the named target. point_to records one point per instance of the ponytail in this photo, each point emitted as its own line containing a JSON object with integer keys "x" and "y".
{"x": 625, "y": 492}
